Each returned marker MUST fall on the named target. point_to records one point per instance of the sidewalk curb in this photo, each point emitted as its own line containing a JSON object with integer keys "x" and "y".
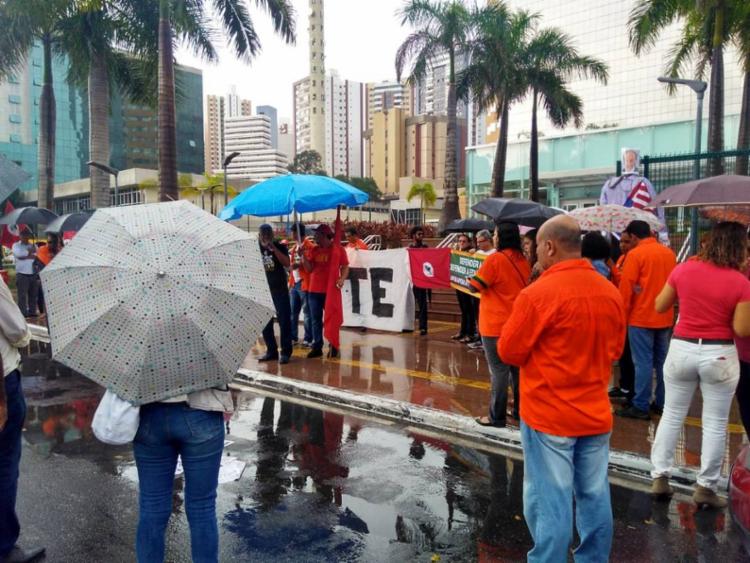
{"x": 625, "y": 469}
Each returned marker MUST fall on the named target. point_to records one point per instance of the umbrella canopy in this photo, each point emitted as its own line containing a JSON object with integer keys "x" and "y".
{"x": 69, "y": 222}
{"x": 153, "y": 301}
{"x": 735, "y": 213}
{"x": 727, "y": 189}
{"x": 613, "y": 218}
{"x": 28, "y": 216}
{"x": 11, "y": 176}
{"x": 469, "y": 225}
{"x": 283, "y": 195}
{"x": 515, "y": 210}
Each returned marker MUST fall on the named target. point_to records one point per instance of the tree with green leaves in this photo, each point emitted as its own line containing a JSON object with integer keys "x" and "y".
{"x": 497, "y": 74}
{"x": 367, "y": 185}
{"x": 187, "y": 21}
{"x": 551, "y": 61}
{"x": 427, "y": 197}
{"x": 742, "y": 41}
{"x": 307, "y": 162}
{"x": 439, "y": 27}
{"x": 24, "y": 23}
{"x": 707, "y": 28}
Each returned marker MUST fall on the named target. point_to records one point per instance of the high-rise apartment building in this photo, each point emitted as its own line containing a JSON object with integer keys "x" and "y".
{"x": 431, "y": 94}
{"x": 316, "y": 77}
{"x": 218, "y": 109}
{"x": 387, "y": 150}
{"x": 251, "y": 137}
{"x": 425, "y": 148}
{"x": 385, "y": 95}
{"x": 286, "y": 138}
{"x": 345, "y": 126}
{"x": 272, "y": 114}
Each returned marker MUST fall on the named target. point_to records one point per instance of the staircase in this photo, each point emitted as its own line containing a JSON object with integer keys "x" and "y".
{"x": 444, "y": 306}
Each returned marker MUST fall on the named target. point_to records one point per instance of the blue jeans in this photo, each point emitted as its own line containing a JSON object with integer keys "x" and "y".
{"x": 10, "y": 457}
{"x": 557, "y": 470}
{"x": 167, "y": 430}
{"x": 298, "y": 300}
{"x": 284, "y": 316}
{"x": 500, "y": 375}
{"x": 648, "y": 347}
{"x": 316, "y": 302}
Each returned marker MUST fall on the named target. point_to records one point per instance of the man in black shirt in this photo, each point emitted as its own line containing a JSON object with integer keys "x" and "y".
{"x": 275, "y": 261}
{"x": 420, "y": 294}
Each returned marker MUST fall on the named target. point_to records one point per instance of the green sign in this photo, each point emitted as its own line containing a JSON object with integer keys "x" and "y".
{"x": 463, "y": 267}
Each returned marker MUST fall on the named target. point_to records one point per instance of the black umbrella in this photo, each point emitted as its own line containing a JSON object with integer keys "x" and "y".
{"x": 470, "y": 225}
{"x": 69, "y": 222}
{"x": 514, "y": 210}
{"x": 28, "y": 216}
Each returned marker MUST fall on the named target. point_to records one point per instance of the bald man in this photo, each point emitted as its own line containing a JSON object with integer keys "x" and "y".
{"x": 565, "y": 331}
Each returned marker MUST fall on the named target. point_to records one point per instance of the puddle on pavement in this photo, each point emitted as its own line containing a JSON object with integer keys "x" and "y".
{"x": 319, "y": 486}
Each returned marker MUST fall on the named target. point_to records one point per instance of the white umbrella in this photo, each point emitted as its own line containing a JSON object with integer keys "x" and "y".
{"x": 152, "y": 301}
{"x": 613, "y": 218}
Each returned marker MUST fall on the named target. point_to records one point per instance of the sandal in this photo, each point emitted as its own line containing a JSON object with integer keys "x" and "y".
{"x": 485, "y": 421}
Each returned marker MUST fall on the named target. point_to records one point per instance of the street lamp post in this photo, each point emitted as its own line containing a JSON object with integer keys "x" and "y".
{"x": 227, "y": 161}
{"x": 109, "y": 170}
{"x": 699, "y": 87}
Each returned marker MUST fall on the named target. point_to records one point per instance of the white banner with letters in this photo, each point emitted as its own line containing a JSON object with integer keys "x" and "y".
{"x": 378, "y": 293}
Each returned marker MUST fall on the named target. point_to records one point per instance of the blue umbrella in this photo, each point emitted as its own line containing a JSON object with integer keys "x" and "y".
{"x": 283, "y": 195}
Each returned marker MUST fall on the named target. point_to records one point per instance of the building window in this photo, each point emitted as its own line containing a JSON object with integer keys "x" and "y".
{"x": 14, "y": 99}
{"x": 14, "y": 138}
{"x": 13, "y": 79}
{"x": 14, "y": 118}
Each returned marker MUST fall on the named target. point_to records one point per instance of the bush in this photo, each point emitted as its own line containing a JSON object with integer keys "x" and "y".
{"x": 390, "y": 233}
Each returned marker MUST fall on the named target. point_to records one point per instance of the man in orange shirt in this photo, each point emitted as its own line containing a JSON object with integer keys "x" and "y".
{"x": 565, "y": 331}
{"x": 500, "y": 279}
{"x": 644, "y": 274}
{"x": 353, "y": 240}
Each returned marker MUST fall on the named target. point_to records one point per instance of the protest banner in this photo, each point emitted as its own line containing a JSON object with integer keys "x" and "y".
{"x": 463, "y": 267}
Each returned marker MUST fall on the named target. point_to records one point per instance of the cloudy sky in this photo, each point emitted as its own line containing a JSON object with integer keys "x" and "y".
{"x": 361, "y": 41}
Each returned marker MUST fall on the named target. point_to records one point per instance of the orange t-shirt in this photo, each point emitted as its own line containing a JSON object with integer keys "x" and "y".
{"x": 307, "y": 245}
{"x": 320, "y": 260}
{"x": 359, "y": 244}
{"x": 643, "y": 277}
{"x": 44, "y": 255}
{"x": 500, "y": 279}
{"x": 565, "y": 331}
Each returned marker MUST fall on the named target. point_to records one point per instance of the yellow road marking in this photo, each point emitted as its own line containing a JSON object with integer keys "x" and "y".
{"x": 731, "y": 428}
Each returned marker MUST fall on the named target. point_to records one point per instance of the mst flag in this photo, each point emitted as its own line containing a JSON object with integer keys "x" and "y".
{"x": 430, "y": 267}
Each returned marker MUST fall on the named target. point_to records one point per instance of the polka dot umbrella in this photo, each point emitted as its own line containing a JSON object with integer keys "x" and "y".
{"x": 153, "y": 301}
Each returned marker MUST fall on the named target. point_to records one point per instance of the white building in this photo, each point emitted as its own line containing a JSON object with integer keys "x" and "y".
{"x": 301, "y": 129}
{"x": 346, "y": 117}
{"x": 431, "y": 94}
{"x": 251, "y": 137}
{"x": 382, "y": 96}
{"x": 286, "y": 138}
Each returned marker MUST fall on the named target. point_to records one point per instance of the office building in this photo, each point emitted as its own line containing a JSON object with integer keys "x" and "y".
{"x": 385, "y": 95}
{"x": 345, "y": 126}
{"x": 387, "y": 150}
{"x": 218, "y": 108}
{"x": 430, "y": 96}
{"x": 251, "y": 137}
{"x": 272, "y": 114}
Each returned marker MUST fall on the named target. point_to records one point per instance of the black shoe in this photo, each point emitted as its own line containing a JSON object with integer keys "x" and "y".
{"x": 458, "y": 336}
{"x": 633, "y": 412}
{"x": 268, "y": 358}
{"x": 333, "y": 352}
{"x": 654, "y": 409}
{"x": 283, "y": 359}
{"x": 617, "y": 393}
{"x": 423, "y": 331}
{"x": 485, "y": 421}
{"x": 315, "y": 353}
{"x": 18, "y": 555}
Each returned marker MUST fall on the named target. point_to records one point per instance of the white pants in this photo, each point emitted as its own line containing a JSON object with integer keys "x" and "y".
{"x": 716, "y": 369}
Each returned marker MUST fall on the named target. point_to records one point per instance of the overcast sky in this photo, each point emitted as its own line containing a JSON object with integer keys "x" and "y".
{"x": 361, "y": 41}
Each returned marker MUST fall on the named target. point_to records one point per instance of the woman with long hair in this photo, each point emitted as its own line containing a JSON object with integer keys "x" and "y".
{"x": 714, "y": 299}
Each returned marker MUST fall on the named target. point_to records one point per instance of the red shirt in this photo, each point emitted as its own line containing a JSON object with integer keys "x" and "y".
{"x": 708, "y": 295}
{"x": 565, "y": 331}
{"x": 319, "y": 274}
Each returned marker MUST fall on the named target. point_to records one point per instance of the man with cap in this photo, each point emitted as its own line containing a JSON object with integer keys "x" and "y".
{"x": 317, "y": 262}
{"x": 275, "y": 261}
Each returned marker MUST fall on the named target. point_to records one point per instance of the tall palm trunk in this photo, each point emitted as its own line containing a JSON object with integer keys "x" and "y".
{"x": 534, "y": 149}
{"x": 168, "y": 189}
{"x": 716, "y": 101}
{"x": 47, "y": 126}
{"x": 98, "y": 84}
{"x": 450, "y": 210}
{"x": 501, "y": 153}
{"x": 743, "y": 137}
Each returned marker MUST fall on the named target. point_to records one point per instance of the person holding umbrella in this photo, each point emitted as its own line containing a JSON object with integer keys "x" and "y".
{"x": 276, "y": 262}
{"x": 317, "y": 262}
{"x": 27, "y": 279}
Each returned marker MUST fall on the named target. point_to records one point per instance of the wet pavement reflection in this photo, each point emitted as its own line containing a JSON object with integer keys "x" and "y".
{"x": 319, "y": 486}
{"x": 437, "y": 372}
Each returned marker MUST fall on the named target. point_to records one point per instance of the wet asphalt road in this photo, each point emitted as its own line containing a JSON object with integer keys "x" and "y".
{"x": 318, "y": 486}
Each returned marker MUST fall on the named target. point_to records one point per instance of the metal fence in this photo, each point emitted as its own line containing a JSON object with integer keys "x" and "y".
{"x": 665, "y": 171}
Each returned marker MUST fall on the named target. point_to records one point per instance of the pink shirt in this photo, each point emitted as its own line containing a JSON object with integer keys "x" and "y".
{"x": 708, "y": 296}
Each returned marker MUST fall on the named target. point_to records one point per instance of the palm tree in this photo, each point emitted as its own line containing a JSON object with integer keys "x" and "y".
{"x": 742, "y": 40}
{"x": 186, "y": 20}
{"x": 707, "y": 29}
{"x": 25, "y": 22}
{"x": 552, "y": 59}
{"x": 497, "y": 75}
{"x": 440, "y": 27}
{"x": 427, "y": 197}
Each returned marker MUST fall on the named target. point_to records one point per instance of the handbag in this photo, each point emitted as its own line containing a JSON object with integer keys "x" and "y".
{"x": 116, "y": 420}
